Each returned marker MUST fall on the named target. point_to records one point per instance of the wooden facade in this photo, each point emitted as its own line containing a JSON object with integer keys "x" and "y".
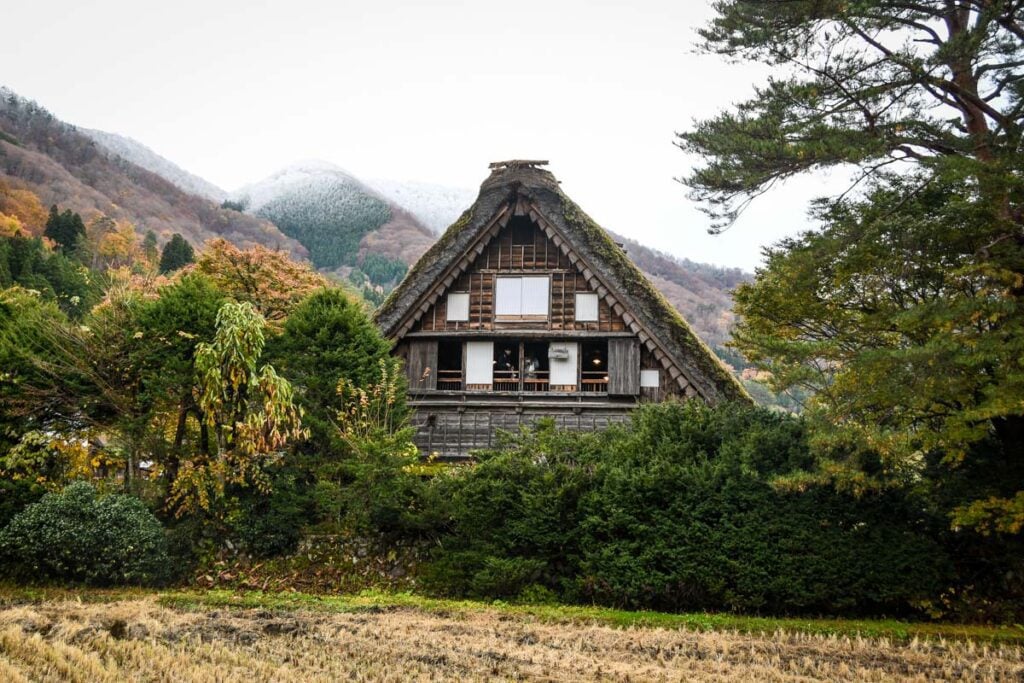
{"x": 517, "y": 314}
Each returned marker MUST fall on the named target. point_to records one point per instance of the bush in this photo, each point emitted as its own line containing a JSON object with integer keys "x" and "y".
{"x": 521, "y": 503}
{"x": 269, "y": 525}
{"x": 683, "y": 515}
{"x": 15, "y": 496}
{"x": 79, "y": 537}
{"x": 678, "y": 511}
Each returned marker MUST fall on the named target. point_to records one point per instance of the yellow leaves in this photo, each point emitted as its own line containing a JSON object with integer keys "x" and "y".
{"x": 10, "y": 226}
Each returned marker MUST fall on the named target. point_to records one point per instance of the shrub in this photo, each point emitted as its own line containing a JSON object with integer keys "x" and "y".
{"x": 519, "y": 504}
{"x": 79, "y": 537}
{"x": 269, "y": 525}
{"x": 678, "y": 510}
{"x": 684, "y": 515}
{"x": 15, "y": 496}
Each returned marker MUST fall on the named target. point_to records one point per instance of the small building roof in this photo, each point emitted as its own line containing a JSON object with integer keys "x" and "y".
{"x": 522, "y": 187}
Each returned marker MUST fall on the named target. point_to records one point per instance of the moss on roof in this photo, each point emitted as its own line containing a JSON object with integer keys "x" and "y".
{"x": 598, "y": 250}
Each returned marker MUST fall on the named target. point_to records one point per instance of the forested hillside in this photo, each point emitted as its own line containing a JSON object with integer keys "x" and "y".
{"x": 337, "y": 217}
{"x": 63, "y": 166}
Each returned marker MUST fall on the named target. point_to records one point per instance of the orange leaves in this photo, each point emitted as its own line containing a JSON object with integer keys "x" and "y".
{"x": 268, "y": 279}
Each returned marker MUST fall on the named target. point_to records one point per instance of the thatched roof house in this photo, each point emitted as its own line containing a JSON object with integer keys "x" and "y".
{"x": 525, "y": 243}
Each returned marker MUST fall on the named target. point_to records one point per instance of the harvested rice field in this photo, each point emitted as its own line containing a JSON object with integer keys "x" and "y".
{"x": 146, "y": 637}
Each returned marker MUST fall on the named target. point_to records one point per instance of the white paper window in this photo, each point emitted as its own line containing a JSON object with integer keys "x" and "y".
{"x": 586, "y": 307}
{"x": 562, "y": 357}
{"x": 479, "y": 362}
{"x": 458, "y": 306}
{"x": 509, "y": 296}
{"x": 522, "y": 296}
{"x": 650, "y": 379}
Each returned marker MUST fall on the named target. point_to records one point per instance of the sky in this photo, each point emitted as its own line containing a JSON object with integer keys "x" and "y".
{"x": 233, "y": 90}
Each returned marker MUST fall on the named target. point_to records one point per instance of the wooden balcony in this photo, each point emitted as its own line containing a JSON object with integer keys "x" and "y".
{"x": 449, "y": 380}
{"x": 594, "y": 382}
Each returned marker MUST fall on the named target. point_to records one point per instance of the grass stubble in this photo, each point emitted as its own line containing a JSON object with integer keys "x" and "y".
{"x": 139, "y": 638}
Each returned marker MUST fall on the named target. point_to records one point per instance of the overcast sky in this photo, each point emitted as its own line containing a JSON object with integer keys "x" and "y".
{"x": 433, "y": 90}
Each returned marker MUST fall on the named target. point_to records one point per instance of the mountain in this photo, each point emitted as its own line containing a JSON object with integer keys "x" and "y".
{"x": 336, "y": 216}
{"x": 700, "y": 291}
{"x": 312, "y": 208}
{"x": 140, "y": 155}
{"x": 64, "y": 166}
{"x": 436, "y": 206}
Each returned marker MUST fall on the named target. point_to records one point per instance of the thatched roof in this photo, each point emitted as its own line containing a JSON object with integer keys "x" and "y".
{"x": 521, "y": 187}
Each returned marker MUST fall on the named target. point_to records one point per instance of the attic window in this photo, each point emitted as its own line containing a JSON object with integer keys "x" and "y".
{"x": 522, "y": 298}
{"x": 458, "y": 306}
{"x": 650, "y": 379}
{"x": 586, "y": 307}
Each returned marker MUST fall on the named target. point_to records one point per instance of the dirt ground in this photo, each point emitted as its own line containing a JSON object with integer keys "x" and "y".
{"x": 141, "y": 640}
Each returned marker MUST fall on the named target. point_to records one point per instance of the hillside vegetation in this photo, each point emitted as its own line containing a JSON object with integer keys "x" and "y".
{"x": 63, "y": 166}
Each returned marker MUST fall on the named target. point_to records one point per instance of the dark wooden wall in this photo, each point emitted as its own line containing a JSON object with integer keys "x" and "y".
{"x": 453, "y": 433}
{"x": 510, "y": 254}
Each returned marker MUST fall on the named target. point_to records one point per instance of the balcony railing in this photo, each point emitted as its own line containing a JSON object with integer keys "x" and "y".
{"x": 538, "y": 380}
{"x": 449, "y": 380}
{"x": 506, "y": 380}
{"x": 594, "y": 381}
{"x": 514, "y": 381}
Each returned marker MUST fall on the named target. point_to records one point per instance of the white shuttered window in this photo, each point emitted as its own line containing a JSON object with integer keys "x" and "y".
{"x": 479, "y": 362}
{"x": 586, "y": 307}
{"x": 458, "y": 306}
{"x": 522, "y": 296}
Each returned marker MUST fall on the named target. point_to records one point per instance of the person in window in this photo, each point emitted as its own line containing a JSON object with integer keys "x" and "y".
{"x": 505, "y": 363}
{"x": 531, "y": 367}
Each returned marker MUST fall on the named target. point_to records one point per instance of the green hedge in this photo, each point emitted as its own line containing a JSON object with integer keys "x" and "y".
{"x": 678, "y": 511}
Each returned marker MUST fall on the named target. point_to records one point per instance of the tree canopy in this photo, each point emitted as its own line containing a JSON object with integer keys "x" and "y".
{"x": 903, "y": 313}
{"x": 871, "y": 83}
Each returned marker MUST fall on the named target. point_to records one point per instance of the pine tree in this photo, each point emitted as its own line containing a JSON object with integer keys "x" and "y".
{"x": 66, "y": 229}
{"x": 904, "y": 314}
{"x": 149, "y": 247}
{"x": 176, "y": 254}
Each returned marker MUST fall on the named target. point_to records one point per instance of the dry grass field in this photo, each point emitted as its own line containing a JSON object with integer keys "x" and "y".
{"x": 141, "y": 637}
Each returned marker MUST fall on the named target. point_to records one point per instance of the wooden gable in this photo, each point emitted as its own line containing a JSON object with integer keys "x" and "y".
{"x": 519, "y": 248}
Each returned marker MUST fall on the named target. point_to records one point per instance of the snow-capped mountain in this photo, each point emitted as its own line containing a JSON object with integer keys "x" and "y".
{"x": 140, "y": 155}
{"x": 437, "y": 206}
{"x": 335, "y": 215}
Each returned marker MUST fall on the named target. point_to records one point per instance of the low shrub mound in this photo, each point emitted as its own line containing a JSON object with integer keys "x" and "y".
{"x": 80, "y": 537}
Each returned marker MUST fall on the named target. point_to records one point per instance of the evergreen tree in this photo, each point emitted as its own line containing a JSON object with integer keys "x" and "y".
{"x": 149, "y": 247}
{"x": 327, "y": 338}
{"x": 176, "y": 254}
{"x": 66, "y": 229}
{"x": 905, "y": 313}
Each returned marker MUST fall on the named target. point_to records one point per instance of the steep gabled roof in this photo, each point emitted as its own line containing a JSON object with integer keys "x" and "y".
{"x": 522, "y": 188}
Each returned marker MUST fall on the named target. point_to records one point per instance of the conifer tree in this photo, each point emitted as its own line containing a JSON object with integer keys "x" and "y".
{"x": 904, "y": 314}
{"x": 66, "y": 229}
{"x": 149, "y": 247}
{"x": 176, "y": 254}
